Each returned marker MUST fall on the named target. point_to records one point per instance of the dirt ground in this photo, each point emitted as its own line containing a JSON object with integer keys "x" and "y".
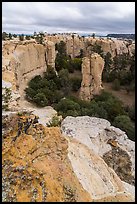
{"x": 126, "y": 98}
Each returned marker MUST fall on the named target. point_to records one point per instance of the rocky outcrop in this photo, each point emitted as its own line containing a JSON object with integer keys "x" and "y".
{"x": 89, "y": 152}
{"x": 92, "y": 68}
{"x": 74, "y": 43}
{"x": 36, "y": 167}
{"x": 41, "y": 164}
{"x": 50, "y": 53}
{"x": 23, "y": 60}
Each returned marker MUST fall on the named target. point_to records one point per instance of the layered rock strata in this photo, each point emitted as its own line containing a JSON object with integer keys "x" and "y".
{"x": 21, "y": 61}
{"x": 74, "y": 43}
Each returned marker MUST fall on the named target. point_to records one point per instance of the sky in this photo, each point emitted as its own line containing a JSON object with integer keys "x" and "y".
{"x": 81, "y": 17}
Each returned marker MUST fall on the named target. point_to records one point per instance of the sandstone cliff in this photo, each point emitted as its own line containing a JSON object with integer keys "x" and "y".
{"x": 92, "y": 68}
{"x": 21, "y": 61}
{"x": 74, "y": 43}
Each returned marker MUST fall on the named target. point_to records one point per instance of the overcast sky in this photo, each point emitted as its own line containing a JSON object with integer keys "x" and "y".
{"x": 81, "y": 17}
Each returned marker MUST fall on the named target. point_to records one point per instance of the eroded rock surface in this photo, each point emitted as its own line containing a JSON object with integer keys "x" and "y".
{"x": 93, "y": 134}
{"x": 92, "y": 68}
{"x": 21, "y": 61}
{"x": 41, "y": 164}
{"x": 35, "y": 166}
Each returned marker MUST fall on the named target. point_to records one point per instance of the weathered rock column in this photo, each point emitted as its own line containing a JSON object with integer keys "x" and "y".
{"x": 92, "y": 68}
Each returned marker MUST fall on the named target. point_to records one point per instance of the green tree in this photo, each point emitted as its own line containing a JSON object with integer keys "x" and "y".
{"x": 14, "y": 35}
{"x": 27, "y": 37}
{"x": 50, "y": 73}
{"x": 124, "y": 123}
{"x": 10, "y": 36}
{"x": 76, "y": 83}
{"x": 67, "y": 104}
{"x": 93, "y": 35}
{"x": 65, "y": 81}
{"x": 21, "y": 37}
{"x": 6, "y": 97}
{"x": 4, "y": 36}
{"x": 76, "y": 63}
{"x": 40, "y": 99}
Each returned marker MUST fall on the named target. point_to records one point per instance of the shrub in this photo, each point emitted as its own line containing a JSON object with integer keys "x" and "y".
{"x": 65, "y": 81}
{"x": 76, "y": 63}
{"x": 67, "y": 104}
{"x": 50, "y": 73}
{"x": 55, "y": 122}
{"x": 111, "y": 104}
{"x": 30, "y": 93}
{"x": 124, "y": 123}
{"x": 27, "y": 37}
{"x": 131, "y": 111}
{"x": 6, "y": 97}
{"x": 76, "y": 83}
{"x": 40, "y": 99}
{"x": 21, "y": 37}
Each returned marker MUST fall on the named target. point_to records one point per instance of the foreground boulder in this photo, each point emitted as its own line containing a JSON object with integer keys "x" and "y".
{"x": 39, "y": 164}
{"x": 101, "y": 155}
{"x": 35, "y": 165}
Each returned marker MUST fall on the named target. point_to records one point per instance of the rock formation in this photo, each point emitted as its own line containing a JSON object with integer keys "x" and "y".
{"x": 92, "y": 68}
{"x": 36, "y": 167}
{"x": 74, "y": 43}
{"x": 21, "y": 61}
{"x": 89, "y": 151}
{"x": 41, "y": 164}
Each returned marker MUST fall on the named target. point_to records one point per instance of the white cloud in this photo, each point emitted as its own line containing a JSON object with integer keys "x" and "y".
{"x": 68, "y": 16}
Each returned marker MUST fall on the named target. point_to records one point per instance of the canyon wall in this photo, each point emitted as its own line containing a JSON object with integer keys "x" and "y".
{"x": 74, "y": 43}
{"x": 21, "y": 61}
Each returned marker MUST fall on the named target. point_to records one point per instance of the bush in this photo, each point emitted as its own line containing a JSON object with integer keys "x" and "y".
{"x": 65, "y": 81}
{"x": 111, "y": 104}
{"x": 124, "y": 123}
{"x": 116, "y": 85}
{"x": 6, "y": 97}
{"x": 67, "y": 104}
{"x": 76, "y": 63}
{"x": 55, "y": 122}
{"x": 131, "y": 111}
{"x": 30, "y": 93}
{"x": 27, "y": 37}
{"x": 50, "y": 73}
{"x": 40, "y": 99}
{"x": 76, "y": 83}
{"x": 21, "y": 37}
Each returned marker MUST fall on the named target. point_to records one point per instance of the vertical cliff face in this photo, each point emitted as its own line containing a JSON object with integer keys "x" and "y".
{"x": 74, "y": 43}
{"x": 92, "y": 68}
{"x": 24, "y": 60}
